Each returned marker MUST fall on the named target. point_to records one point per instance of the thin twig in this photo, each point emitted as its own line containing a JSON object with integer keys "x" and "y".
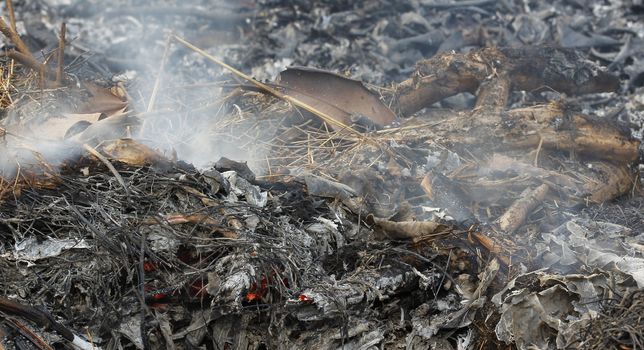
{"x": 109, "y": 165}
{"x": 26, "y": 332}
{"x": 61, "y": 54}
{"x": 42, "y": 319}
{"x": 157, "y": 82}
{"x": 144, "y": 308}
{"x": 41, "y": 76}
{"x": 536, "y": 156}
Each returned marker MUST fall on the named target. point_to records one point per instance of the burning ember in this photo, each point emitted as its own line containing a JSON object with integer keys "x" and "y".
{"x": 424, "y": 175}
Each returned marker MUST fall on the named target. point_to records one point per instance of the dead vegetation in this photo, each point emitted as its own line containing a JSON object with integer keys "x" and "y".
{"x": 379, "y": 220}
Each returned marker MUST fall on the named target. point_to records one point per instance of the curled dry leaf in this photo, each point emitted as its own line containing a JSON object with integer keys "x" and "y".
{"x": 411, "y": 229}
{"x": 110, "y": 101}
{"x": 131, "y": 152}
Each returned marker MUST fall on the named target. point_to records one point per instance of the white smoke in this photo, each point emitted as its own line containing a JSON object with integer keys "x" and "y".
{"x": 191, "y": 118}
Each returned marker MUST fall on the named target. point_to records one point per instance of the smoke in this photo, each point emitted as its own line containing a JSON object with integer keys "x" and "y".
{"x": 191, "y": 120}
{"x": 30, "y": 153}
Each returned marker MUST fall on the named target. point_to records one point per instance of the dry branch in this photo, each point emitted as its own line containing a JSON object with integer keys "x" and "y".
{"x": 15, "y": 38}
{"x": 532, "y": 68}
{"x": 553, "y": 126}
{"x": 31, "y": 63}
{"x": 560, "y": 129}
{"x": 521, "y": 208}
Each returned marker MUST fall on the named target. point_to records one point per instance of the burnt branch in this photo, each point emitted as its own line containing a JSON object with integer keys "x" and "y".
{"x": 532, "y": 68}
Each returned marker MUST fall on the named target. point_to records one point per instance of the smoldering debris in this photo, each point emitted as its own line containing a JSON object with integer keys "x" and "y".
{"x": 435, "y": 177}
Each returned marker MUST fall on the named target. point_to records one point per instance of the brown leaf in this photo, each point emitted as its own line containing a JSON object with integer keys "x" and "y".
{"x": 106, "y": 129}
{"x": 103, "y": 100}
{"x": 346, "y": 100}
{"x": 131, "y": 152}
{"x": 411, "y": 229}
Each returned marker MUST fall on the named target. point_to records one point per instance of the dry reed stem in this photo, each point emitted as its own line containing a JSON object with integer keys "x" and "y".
{"x": 12, "y": 15}
{"x": 14, "y": 37}
{"x": 61, "y": 54}
{"x": 157, "y": 82}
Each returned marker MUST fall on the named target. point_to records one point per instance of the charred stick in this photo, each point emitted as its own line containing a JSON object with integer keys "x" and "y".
{"x": 13, "y": 36}
{"x": 618, "y": 180}
{"x": 564, "y": 70}
{"x": 43, "y": 319}
{"x": 61, "y": 54}
{"x": 32, "y": 314}
{"x": 25, "y": 331}
{"x": 12, "y": 15}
